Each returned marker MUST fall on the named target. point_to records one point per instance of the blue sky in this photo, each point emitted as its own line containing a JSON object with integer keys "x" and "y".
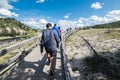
{"x": 66, "y": 13}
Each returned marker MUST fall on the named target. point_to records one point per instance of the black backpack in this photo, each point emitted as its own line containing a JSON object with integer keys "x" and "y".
{"x": 46, "y": 37}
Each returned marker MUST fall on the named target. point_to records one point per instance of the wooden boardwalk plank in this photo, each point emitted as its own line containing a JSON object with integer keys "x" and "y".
{"x": 31, "y": 68}
{"x": 57, "y": 75}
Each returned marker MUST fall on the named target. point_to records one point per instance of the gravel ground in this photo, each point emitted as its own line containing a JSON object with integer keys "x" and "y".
{"x": 104, "y": 66}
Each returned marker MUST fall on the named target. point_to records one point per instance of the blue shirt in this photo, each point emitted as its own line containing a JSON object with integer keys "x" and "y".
{"x": 55, "y": 28}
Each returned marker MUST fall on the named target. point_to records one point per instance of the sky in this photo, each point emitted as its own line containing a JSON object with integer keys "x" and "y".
{"x": 65, "y": 13}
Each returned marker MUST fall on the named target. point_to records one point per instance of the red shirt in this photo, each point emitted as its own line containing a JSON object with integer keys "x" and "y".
{"x": 60, "y": 32}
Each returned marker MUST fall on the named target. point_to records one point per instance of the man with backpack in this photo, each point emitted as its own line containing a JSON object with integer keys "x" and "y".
{"x": 50, "y": 40}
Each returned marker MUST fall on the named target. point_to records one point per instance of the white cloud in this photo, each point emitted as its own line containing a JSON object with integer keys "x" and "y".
{"x": 110, "y": 16}
{"x": 14, "y": 14}
{"x": 66, "y": 16}
{"x": 40, "y": 1}
{"x": 66, "y": 23}
{"x": 69, "y": 23}
{"x": 113, "y": 15}
{"x": 97, "y": 5}
{"x": 96, "y": 19}
{"x": 5, "y": 4}
{"x": 43, "y": 21}
{"x": 114, "y": 12}
{"x": 80, "y": 21}
{"x": 92, "y": 20}
{"x": 36, "y": 23}
{"x": 5, "y": 8}
{"x": 7, "y": 13}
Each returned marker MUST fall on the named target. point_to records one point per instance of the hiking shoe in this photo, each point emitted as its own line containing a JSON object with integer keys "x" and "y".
{"x": 51, "y": 73}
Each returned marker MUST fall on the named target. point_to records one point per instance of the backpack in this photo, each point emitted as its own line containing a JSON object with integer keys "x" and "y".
{"x": 46, "y": 37}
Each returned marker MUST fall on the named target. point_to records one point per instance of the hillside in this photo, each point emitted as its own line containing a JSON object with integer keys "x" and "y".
{"x": 106, "y": 65}
{"x": 108, "y": 25}
{"x": 13, "y": 27}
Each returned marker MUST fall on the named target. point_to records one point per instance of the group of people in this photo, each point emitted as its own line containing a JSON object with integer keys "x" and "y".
{"x": 50, "y": 40}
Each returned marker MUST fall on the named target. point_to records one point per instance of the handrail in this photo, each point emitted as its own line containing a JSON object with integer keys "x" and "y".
{"x": 67, "y": 72}
{"x": 90, "y": 47}
{"x": 10, "y": 41}
{"x": 15, "y": 46}
{"x": 13, "y": 38}
{"x": 7, "y": 65}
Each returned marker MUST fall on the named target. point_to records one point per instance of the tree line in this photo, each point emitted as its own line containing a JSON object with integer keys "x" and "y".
{"x": 108, "y": 25}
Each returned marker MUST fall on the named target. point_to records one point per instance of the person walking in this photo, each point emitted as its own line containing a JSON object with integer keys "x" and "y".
{"x": 55, "y": 28}
{"x": 60, "y": 33}
{"x": 50, "y": 41}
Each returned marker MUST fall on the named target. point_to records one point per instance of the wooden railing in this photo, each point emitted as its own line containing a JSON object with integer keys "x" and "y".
{"x": 19, "y": 56}
{"x": 16, "y": 46}
{"x": 11, "y": 41}
{"x": 67, "y": 72}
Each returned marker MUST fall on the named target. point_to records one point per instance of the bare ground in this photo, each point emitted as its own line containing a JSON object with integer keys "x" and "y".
{"x": 106, "y": 65}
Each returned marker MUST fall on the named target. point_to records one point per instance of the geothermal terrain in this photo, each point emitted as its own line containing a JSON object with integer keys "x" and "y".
{"x": 104, "y": 66}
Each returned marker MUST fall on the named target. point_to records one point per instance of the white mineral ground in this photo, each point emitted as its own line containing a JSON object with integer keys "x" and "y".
{"x": 106, "y": 46}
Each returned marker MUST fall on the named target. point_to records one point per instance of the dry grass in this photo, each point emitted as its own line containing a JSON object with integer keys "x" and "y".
{"x": 13, "y": 53}
{"x": 7, "y": 56}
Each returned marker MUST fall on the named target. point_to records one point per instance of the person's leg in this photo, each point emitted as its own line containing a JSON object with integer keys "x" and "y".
{"x": 49, "y": 58}
{"x": 53, "y": 61}
{"x": 52, "y": 64}
{"x": 60, "y": 38}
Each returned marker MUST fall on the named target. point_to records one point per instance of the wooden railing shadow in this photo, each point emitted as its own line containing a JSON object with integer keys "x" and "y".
{"x": 100, "y": 66}
{"x": 25, "y": 70}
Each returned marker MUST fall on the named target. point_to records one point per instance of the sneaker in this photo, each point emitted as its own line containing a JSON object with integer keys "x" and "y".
{"x": 51, "y": 73}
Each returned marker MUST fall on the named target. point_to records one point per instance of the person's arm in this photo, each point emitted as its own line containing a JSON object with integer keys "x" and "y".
{"x": 56, "y": 38}
{"x": 42, "y": 40}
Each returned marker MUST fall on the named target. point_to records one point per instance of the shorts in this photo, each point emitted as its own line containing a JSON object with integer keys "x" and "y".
{"x": 52, "y": 53}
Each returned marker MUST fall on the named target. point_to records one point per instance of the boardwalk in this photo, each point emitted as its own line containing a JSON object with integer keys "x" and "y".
{"x": 58, "y": 75}
{"x": 31, "y": 68}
